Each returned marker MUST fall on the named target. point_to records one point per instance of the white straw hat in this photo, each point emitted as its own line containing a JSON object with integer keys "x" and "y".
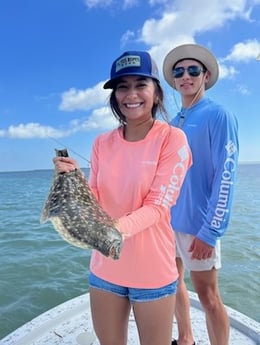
{"x": 194, "y": 52}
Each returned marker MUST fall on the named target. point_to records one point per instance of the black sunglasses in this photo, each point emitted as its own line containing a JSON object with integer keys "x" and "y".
{"x": 194, "y": 71}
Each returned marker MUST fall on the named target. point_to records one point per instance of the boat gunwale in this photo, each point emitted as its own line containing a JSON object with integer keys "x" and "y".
{"x": 27, "y": 333}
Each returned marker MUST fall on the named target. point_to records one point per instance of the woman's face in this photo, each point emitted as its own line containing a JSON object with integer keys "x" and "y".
{"x": 135, "y": 96}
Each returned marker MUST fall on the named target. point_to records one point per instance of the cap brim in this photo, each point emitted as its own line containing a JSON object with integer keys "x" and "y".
{"x": 111, "y": 84}
{"x": 191, "y": 51}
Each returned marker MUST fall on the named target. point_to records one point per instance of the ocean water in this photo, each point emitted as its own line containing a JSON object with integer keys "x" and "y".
{"x": 39, "y": 270}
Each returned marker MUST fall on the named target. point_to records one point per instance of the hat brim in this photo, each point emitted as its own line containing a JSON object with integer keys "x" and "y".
{"x": 195, "y": 52}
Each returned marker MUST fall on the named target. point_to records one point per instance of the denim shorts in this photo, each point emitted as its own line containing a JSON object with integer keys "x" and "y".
{"x": 133, "y": 294}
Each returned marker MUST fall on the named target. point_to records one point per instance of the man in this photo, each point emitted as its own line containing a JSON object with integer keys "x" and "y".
{"x": 202, "y": 213}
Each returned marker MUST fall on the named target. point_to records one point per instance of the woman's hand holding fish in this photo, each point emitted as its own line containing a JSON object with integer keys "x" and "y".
{"x": 65, "y": 164}
{"x": 124, "y": 234}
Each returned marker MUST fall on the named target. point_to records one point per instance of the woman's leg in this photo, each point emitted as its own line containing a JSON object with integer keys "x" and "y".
{"x": 182, "y": 311}
{"x": 110, "y": 314}
{"x": 154, "y": 320}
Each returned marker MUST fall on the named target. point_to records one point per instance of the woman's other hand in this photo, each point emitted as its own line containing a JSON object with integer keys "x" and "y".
{"x": 65, "y": 164}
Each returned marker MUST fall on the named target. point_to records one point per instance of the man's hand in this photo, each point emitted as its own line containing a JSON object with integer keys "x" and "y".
{"x": 200, "y": 250}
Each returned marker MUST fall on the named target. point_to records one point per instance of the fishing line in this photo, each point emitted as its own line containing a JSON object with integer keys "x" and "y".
{"x": 69, "y": 148}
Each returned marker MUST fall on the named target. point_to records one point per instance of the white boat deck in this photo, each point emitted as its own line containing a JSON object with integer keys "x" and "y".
{"x": 70, "y": 323}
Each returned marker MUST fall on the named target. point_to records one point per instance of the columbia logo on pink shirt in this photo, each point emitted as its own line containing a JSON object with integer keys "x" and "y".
{"x": 171, "y": 191}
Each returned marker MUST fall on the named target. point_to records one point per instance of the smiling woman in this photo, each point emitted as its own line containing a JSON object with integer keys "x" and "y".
{"x": 148, "y": 160}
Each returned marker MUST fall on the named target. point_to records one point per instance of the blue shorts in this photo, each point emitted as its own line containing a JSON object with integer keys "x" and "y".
{"x": 133, "y": 294}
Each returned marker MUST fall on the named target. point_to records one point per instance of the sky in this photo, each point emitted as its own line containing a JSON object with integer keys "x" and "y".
{"x": 55, "y": 56}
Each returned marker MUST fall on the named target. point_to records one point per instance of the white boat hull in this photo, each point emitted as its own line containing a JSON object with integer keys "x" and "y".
{"x": 70, "y": 323}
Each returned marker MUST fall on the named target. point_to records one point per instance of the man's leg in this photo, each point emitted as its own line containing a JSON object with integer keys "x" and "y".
{"x": 206, "y": 285}
{"x": 182, "y": 310}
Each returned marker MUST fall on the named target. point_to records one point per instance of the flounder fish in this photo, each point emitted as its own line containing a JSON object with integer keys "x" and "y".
{"x": 77, "y": 216}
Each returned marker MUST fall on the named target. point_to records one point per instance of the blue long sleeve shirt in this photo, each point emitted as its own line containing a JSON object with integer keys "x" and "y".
{"x": 204, "y": 204}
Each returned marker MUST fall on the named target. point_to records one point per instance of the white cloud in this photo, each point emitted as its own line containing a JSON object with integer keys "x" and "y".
{"x": 32, "y": 130}
{"x": 182, "y": 20}
{"x": 98, "y": 3}
{"x": 99, "y": 119}
{"x": 244, "y": 51}
{"x": 127, "y": 36}
{"x": 227, "y": 72}
{"x": 90, "y": 98}
{"x": 108, "y": 3}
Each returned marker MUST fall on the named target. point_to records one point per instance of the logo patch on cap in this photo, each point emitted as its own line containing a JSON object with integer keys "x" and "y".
{"x": 128, "y": 61}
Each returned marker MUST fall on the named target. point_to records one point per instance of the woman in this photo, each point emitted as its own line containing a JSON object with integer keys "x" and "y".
{"x": 136, "y": 173}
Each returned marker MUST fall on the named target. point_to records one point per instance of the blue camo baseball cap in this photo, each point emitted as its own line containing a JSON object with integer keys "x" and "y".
{"x": 132, "y": 63}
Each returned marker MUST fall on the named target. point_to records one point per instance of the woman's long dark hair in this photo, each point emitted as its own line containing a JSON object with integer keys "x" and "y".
{"x": 157, "y": 107}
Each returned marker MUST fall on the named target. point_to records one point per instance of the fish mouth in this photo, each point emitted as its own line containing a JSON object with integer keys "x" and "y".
{"x": 115, "y": 250}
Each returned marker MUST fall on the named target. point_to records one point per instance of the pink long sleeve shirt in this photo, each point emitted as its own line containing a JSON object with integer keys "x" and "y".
{"x": 137, "y": 183}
